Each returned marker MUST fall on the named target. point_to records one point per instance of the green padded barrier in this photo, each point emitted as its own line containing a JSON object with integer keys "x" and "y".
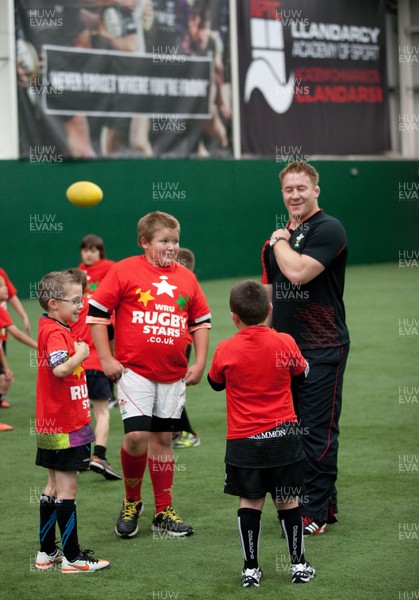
{"x": 227, "y": 210}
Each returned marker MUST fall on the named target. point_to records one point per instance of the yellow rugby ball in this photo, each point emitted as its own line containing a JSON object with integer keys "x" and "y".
{"x": 84, "y": 193}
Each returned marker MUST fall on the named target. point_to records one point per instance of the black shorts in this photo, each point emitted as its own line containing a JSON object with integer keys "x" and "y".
{"x": 98, "y": 386}
{"x": 283, "y": 483}
{"x": 70, "y": 459}
{"x": 145, "y": 423}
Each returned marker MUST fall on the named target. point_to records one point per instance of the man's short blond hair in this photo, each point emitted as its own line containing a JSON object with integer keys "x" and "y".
{"x": 299, "y": 166}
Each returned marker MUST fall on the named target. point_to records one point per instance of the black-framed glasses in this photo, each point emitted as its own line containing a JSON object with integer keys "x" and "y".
{"x": 74, "y": 301}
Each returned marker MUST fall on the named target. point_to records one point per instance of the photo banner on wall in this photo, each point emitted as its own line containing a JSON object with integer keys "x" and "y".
{"x": 135, "y": 79}
{"x": 103, "y": 84}
{"x": 312, "y": 78}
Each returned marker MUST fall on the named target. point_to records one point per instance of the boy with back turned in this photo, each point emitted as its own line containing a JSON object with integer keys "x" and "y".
{"x": 264, "y": 451}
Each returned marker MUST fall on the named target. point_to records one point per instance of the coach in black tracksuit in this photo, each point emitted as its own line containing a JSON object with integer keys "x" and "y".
{"x": 304, "y": 269}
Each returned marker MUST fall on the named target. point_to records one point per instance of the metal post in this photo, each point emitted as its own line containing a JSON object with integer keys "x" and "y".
{"x": 235, "y": 88}
{"x": 9, "y": 139}
{"x": 407, "y": 135}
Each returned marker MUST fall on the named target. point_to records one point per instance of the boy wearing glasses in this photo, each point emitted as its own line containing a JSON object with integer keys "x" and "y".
{"x": 63, "y": 427}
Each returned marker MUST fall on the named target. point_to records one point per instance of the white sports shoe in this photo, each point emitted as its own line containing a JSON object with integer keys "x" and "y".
{"x": 251, "y": 577}
{"x": 85, "y": 563}
{"x": 302, "y": 573}
{"x": 45, "y": 561}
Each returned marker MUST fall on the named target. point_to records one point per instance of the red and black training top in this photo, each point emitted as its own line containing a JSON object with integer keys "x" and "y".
{"x": 313, "y": 313}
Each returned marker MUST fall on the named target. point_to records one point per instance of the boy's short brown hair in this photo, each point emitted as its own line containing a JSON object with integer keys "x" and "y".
{"x": 186, "y": 258}
{"x": 79, "y": 276}
{"x": 52, "y": 285}
{"x": 93, "y": 241}
{"x": 299, "y": 166}
{"x": 249, "y": 300}
{"x": 152, "y": 222}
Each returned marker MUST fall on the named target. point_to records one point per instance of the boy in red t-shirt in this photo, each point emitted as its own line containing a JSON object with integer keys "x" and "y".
{"x": 96, "y": 265}
{"x": 264, "y": 451}
{"x": 15, "y": 302}
{"x": 94, "y": 261}
{"x": 187, "y": 437}
{"x": 98, "y": 387}
{"x": 7, "y": 326}
{"x": 63, "y": 427}
{"x": 157, "y": 302}
{"x": 9, "y": 375}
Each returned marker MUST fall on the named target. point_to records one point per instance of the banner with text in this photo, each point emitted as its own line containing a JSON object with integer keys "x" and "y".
{"x": 108, "y": 81}
{"x": 312, "y": 78}
{"x": 102, "y": 84}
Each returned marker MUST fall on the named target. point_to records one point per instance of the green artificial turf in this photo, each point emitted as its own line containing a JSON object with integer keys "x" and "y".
{"x": 370, "y": 553}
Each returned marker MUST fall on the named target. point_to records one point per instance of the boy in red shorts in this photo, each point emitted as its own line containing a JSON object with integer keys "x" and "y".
{"x": 64, "y": 432}
{"x": 264, "y": 450}
{"x": 156, "y": 302}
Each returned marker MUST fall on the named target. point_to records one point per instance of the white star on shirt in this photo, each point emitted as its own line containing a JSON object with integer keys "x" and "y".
{"x": 164, "y": 288}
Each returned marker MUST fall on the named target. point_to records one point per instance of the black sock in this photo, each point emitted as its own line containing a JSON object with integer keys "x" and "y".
{"x": 67, "y": 522}
{"x": 292, "y": 526}
{"x": 47, "y": 519}
{"x": 249, "y": 530}
{"x": 100, "y": 452}
{"x": 185, "y": 424}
